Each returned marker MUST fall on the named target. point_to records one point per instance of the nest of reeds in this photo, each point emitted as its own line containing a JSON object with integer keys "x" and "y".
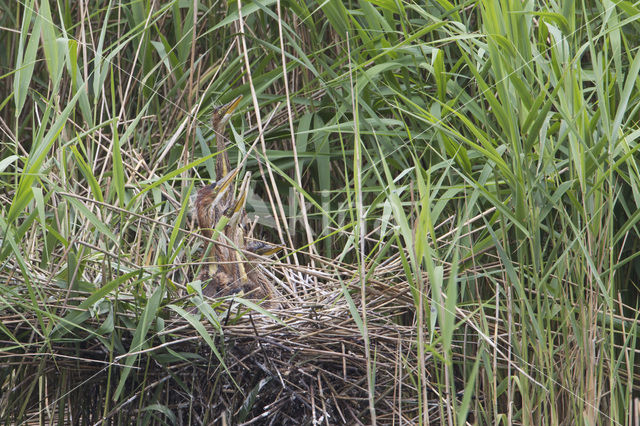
{"x": 305, "y": 360}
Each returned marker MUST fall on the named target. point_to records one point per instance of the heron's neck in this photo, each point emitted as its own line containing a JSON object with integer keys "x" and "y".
{"x": 222, "y": 160}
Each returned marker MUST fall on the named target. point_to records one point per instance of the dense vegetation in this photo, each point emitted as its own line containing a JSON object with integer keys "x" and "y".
{"x": 461, "y": 173}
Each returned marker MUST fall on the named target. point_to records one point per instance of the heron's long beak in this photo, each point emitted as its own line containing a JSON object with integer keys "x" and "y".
{"x": 263, "y": 249}
{"x": 241, "y": 198}
{"x": 223, "y": 184}
{"x": 228, "y": 109}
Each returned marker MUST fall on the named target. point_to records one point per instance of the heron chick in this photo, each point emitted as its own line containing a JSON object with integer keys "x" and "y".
{"x": 221, "y": 216}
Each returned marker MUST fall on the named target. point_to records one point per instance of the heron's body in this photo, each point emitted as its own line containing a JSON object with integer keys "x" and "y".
{"x": 221, "y": 216}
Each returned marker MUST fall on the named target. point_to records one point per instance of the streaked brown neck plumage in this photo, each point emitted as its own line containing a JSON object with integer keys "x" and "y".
{"x": 222, "y": 160}
{"x": 219, "y": 119}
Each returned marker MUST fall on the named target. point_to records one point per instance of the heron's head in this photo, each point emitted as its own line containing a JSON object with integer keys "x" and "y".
{"x": 222, "y": 114}
{"x": 211, "y": 194}
{"x": 206, "y": 195}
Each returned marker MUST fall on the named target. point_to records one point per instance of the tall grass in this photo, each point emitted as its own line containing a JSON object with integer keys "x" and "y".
{"x": 480, "y": 154}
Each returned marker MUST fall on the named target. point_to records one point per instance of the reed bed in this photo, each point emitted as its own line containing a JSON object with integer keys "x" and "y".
{"x": 454, "y": 185}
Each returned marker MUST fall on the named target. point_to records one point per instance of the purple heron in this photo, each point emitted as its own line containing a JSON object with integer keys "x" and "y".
{"x": 221, "y": 216}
